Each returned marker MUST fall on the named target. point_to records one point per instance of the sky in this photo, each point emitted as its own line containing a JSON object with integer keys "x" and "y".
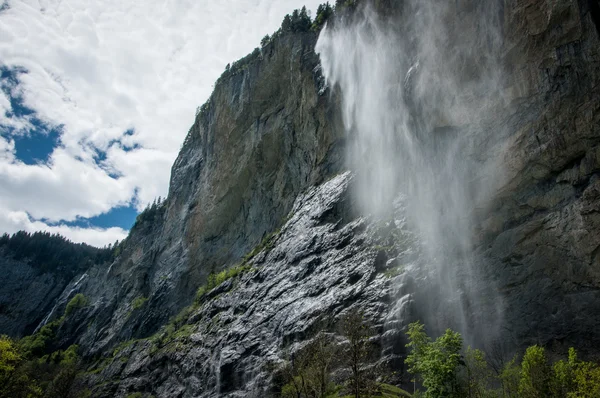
{"x": 96, "y": 97}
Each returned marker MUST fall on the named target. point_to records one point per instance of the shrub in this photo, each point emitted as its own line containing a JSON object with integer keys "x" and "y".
{"x": 78, "y": 301}
{"x": 436, "y": 362}
{"x": 38, "y": 343}
{"x": 9, "y": 357}
{"x": 215, "y": 279}
{"x": 324, "y": 11}
{"x": 139, "y": 302}
{"x": 307, "y": 372}
{"x": 265, "y": 40}
{"x": 535, "y": 374}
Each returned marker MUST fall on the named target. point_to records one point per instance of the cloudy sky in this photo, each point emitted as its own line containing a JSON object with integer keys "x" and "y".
{"x": 97, "y": 96}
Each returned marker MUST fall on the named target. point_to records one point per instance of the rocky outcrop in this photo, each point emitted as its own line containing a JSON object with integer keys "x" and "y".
{"x": 324, "y": 261}
{"x": 26, "y": 296}
{"x": 263, "y": 157}
{"x": 266, "y": 134}
{"x": 543, "y": 242}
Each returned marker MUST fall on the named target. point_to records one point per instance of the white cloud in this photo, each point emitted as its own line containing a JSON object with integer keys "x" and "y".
{"x": 17, "y": 221}
{"x": 100, "y": 68}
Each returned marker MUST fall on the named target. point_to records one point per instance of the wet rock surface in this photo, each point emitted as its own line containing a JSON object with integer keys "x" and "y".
{"x": 318, "y": 268}
{"x": 261, "y": 156}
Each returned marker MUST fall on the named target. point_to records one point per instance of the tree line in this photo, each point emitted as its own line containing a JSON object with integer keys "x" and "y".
{"x": 439, "y": 368}
{"x": 48, "y": 252}
{"x": 445, "y": 369}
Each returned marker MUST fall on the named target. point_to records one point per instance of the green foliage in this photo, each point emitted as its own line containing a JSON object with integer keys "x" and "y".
{"x": 436, "y": 362}
{"x": 535, "y": 374}
{"x": 265, "y": 245}
{"x": 587, "y": 381}
{"x": 38, "y": 343}
{"x": 510, "y": 376}
{"x": 139, "y": 302}
{"x": 563, "y": 380}
{"x": 78, "y": 301}
{"x": 264, "y": 41}
{"x": 390, "y": 391}
{"x": 307, "y": 373}
{"x": 298, "y": 22}
{"x": 152, "y": 213}
{"x": 215, "y": 280}
{"x": 49, "y": 376}
{"x": 478, "y": 377}
{"x": 357, "y": 332}
{"x": 53, "y": 253}
{"x": 324, "y": 12}
{"x": 9, "y": 357}
{"x": 135, "y": 395}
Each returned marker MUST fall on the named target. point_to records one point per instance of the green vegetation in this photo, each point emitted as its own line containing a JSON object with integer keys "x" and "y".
{"x": 390, "y": 391}
{"x": 265, "y": 245}
{"x": 151, "y": 213}
{"x": 264, "y": 41}
{"x": 53, "y": 253}
{"x": 393, "y": 272}
{"x": 442, "y": 366}
{"x": 78, "y": 301}
{"x": 215, "y": 280}
{"x": 324, "y": 12}
{"x": 299, "y": 21}
{"x": 24, "y": 375}
{"x": 139, "y": 302}
{"x": 38, "y": 343}
{"x": 307, "y": 373}
{"x": 445, "y": 370}
{"x": 436, "y": 362}
{"x": 41, "y": 342}
{"x": 178, "y": 328}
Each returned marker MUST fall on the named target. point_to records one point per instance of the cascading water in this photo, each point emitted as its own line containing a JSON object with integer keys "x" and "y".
{"x": 416, "y": 89}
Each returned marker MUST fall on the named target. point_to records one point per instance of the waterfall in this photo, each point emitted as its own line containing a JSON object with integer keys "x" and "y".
{"x": 417, "y": 90}
{"x": 59, "y": 302}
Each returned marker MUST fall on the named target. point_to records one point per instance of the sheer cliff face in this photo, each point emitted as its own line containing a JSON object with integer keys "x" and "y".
{"x": 266, "y": 134}
{"x": 26, "y": 295}
{"x": 544, "y": 240}
{"x": 265, "y": 153}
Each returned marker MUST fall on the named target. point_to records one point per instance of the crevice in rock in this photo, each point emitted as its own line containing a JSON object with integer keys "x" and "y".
{"x": 595, "y": 13}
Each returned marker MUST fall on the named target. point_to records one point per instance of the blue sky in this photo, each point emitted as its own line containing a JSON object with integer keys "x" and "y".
{"x": 34, "y": 145}
{"x": 97, "y": 97}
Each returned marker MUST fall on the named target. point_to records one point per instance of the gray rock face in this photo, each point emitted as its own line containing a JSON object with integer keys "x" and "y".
{"x": 26, "y": 295}
{"x": 541, "y": 240}
{"x": 265, "y": 135}
{"x": 323, "y": 262}
{"x": 261, "y": 155}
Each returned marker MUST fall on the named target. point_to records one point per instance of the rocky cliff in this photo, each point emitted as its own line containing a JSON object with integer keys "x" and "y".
{"x": 260, "y": 187}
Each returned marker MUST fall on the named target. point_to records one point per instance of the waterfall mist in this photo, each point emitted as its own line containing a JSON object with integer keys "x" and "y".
{"x": 417, "y": 91}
